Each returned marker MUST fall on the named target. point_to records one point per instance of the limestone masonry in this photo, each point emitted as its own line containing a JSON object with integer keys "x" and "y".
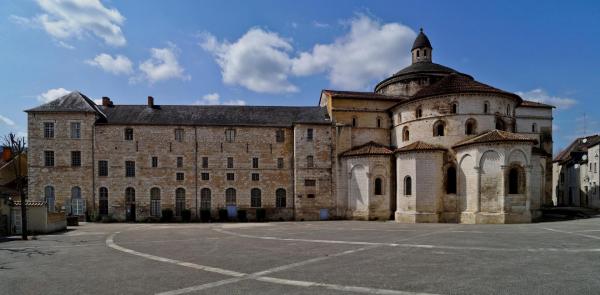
{"x": 430, "y": 144}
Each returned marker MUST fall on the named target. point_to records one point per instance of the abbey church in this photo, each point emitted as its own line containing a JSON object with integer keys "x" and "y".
{"x": 429, "y": 144}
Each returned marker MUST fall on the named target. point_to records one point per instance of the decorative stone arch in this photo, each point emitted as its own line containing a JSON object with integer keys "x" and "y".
{"x": 405, "y": 134}
{"x": 450, "y": 182}
{"x": 358, "y": 187}
{"x": 490, "y": 181}
{"x": 471, "y": 126}
{"x": 466, "y": 184}
{"x": 439, "y": 128}
{"x": 517, "y": 155}
{"x": 515, "y": 179}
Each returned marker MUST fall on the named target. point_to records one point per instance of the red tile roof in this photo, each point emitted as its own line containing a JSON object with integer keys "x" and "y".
{"x": 459, "y": 83}
{"x": 496, "y": 136}
{"x": 420, "y": 146}
{"x": 368, "y": 149}
{"x": 535, "y": 104}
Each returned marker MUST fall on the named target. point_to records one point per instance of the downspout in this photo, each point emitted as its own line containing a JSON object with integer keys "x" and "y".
{"x": 93, "y": 168}
{"x": 196, "y": 168}
{"x": 293, "y": 172}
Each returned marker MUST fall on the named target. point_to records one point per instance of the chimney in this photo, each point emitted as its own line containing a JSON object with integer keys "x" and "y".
{"x": 150, "y": 102}
{"x": 6, "y": 154}
{"x": 106, "y": 101}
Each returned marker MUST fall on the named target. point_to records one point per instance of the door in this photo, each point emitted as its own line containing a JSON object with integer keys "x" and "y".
{"x": 130, "y": 214}
{"x": 232, "y": 211}
{"x": 324, "y": 214}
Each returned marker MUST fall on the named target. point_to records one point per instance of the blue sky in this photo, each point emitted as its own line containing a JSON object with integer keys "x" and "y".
{"x": 285, "y": 52}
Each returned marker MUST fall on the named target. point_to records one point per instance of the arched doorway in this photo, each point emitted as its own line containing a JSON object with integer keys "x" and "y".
{"x": 130, "y": 204}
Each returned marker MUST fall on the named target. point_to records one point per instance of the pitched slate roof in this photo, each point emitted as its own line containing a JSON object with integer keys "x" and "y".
{"x": 361, "y": 95}
{"x": 370, "y": 148}
{"x": 535, "y": 104}
{"x": 495, "y": 136}
{"x": 214, "y": 115}
{"x": 421, "y": 41}
{"x": 72, "y": 102}
{"x": 577, "y": 146}
{"x": 420, "y": 146}
{"x": 458, "y": 83}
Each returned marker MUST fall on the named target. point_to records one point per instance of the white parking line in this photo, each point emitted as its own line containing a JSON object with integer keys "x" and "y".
{"x": 572, "y": 233}
{"x": 239, "y": 276}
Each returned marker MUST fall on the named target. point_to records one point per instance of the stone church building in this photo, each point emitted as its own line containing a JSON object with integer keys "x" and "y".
{"x": 429, "y": 144}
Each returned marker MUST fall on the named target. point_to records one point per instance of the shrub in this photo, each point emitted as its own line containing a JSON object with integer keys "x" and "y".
{"x": 186, "y": 215}
{"x": 242, "y": 215}
{"x": 167, "y": 215}
{"x": 205, "y": 215}
{"x": 72, "y": 221}
{"x": 261, "y": 214}
{"x": 223, "y": 214}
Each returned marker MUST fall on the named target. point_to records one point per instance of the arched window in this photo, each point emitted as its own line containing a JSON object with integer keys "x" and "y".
{"x": 534, "y": 127}
{"x": 514, "y": 179}
{"x": 230, "y": 197}
{"x": 500, "y": 124}
{"x": 407, "y": 186}
{"x": 155, "y": 202}
{"x": 50, "y": 198}
{"x": 354, "y": 122}
{"x": 255, "y": 200}
{"x": 417, "y": 52}
{"x": 451, "y": 180}
{"x": 180, "y": 200}
{"x": 205, "y": 198}
{"x": 378, "y": 186}
{"x": 419, "y": 112}
{"x": 470, "y": 127}
{"x": 103, "y": 201}
{"x": 439, "y": 128}
{"x": 77, "y": 204}
{"x": 405, "y": 134}
{"x": 455, "y": 108}
{"x": 129, "y": 195}
{"x": 280, "y": 201}
{"x": 378, "y": 122}
{"x": 508, "y": 110}
{"x": 486, "y": 107}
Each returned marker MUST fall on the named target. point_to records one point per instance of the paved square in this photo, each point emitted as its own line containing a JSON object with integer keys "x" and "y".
{"x": 335, "y": 257}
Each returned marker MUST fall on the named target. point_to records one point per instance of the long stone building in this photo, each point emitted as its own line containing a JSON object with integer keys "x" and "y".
{"x": 429, "y": 144}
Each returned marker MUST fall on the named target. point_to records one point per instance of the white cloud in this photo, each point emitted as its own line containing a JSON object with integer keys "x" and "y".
{"x": 540, "y": 95}
{"x": 260, "y": 60}
{"x": 317, "y": 24}
{"x": 215, "y": 99}
{"x": 163, "y": 65}
{"x": 52, "y": 94}
{"x": 369, "y": 51}
{"x": 116, "y": 65}
{"x": 65, "y": 45}
{"x": 63, "y": 19}
{"x": 6, "y": 121}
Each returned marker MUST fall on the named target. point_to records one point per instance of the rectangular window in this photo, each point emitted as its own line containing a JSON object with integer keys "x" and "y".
{"x": 75, "y": 130}
{"x": 49, "y": 158}
{"x": 48, "y": 130}
{"x": 310, "y": 182}
{"x": 204, "y": 162}
{"x": 310, "y": 196}
{"x": 129, "y": 168}
{"x": 229, "y": 162}
{"x": 154, "y": 162}
{"x": 179, "y": 176}
{"x": 205, "y": 176}
{"x": 255, "y": 177}
{"x": 230, "y": 176}
{"x": 230, "y": 135}
{"x": 309, "y": 134}
{"x": 280, "y": 135}
{"x": 255, "y": 163}
{"x": 128, "y": 134}
{"x": 310, "y": 162}
{"x": 75, "y": 158}
{"x": 102, "y": 168}
{"x": 179, "y": 162}
{"x": 179, "y": 135}
{"x": 280, "y": 163}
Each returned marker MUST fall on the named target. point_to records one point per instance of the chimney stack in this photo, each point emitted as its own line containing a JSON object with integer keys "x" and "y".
{"x": 6, "y": 154}
{"x": 106, "y": 101}
{"x": 150, "y": 102}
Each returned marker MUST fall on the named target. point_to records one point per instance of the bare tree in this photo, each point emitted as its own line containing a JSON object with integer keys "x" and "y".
{"x": 17, "y": 146}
